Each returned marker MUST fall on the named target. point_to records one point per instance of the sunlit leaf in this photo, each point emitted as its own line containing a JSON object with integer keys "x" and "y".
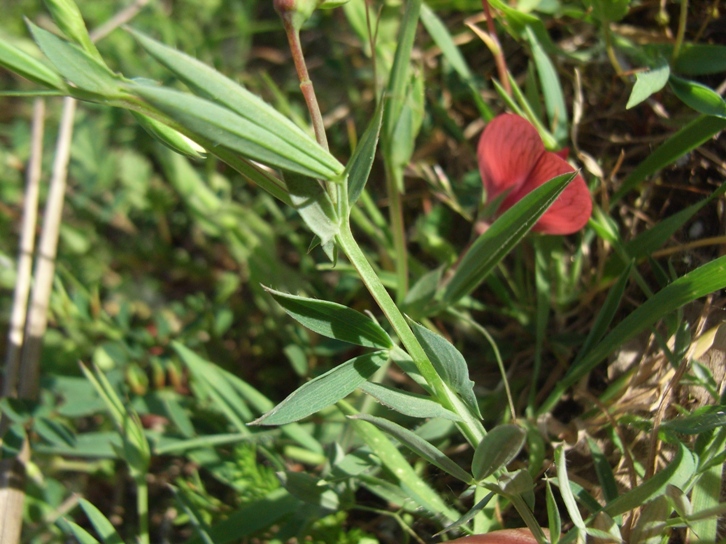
{"x": 333, "y": 320}
{"x": 420, "y": 446}
{"x": 324, "y": 390}
{"x": 497, "y": 449}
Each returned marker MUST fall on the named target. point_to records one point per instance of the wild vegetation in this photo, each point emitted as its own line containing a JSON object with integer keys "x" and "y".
{"x": 364, "y": 271}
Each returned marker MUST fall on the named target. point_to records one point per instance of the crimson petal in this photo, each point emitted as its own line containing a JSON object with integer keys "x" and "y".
{"x": 508, "y": 150}
{"x": 571, "y": 210}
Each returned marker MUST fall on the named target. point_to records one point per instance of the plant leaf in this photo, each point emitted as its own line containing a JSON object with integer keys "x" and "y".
{"x": 324, "y": 390}
{"x": 333, "y": 320}
{"x": 449, "y": 363}
{"x": 499, "y": 239}
{"x": 410, "y": 482}
{"x": 566, "y": 491}
{"x": 698, "y": 283}
{"x": 407, "y": 403}
{"x": 226, "y": 128}
{"x": 699, "y": 97}
{"x": 315, "y": 207}
{"x": 551, "y": 89}
{"x": 236, "y": 392}
{"x": 685, "y": 140}
{"x": 417, "y": 444}
{"x": 359, "y": 167}
{"x": 77, "y": 66}
{"x": 216, "y": 87}
{"x": 100, "y": 523}
{"x": 18, "y": 61}
{"x": 676, "y": 473}
{"x": 648, "y": 83}
{"x": 497, "y": 449}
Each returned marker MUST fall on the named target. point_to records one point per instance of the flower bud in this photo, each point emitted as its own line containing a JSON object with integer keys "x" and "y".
{"x": 295, "y": 12}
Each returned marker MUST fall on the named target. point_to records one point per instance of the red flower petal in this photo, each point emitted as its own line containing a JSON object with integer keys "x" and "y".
{"x": 505, "y": 536}
{"x": 571, "y": 210}
{"x": 509, "y": 149}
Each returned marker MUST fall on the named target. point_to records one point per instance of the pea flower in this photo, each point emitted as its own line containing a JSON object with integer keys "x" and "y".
{"x": 513, "y": 159}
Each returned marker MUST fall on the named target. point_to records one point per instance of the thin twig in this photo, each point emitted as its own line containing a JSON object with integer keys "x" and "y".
{"x": 121, "y": 18}
{"x": 45, "y": 264}
{"x": 25, "y": 254}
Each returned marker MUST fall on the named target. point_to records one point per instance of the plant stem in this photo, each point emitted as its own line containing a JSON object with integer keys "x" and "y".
{"x": 470, "y": 426}
{"x": 498, "y": 54}
{"x": 681, "y": 29}
{"x": 142, "y": 507}
{"x": 306, "y": 85}
{"x": 394, "y": 180}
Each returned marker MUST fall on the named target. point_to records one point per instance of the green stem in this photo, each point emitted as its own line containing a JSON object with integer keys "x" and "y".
{"x": 681, "y": 29}
{"x": 142, "y": 507}
{"x": 394, "y": 182}
{"x": 470, "y": 426}
{"x": 529, "y": 519}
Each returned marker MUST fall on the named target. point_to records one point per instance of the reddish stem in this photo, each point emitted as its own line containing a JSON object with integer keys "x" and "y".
{"x": 306, "y": 85}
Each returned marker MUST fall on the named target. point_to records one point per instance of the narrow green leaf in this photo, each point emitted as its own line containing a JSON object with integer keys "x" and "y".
{"x": 676, "y": 473}
{"x": 253, "y": 517}
{"x": 324, "y": 390}
{"x": 195, "y": 517}
{"x": 699, "y": 97}
{"x": 103, "y": 445}
{"x": 466, "y": 518}
{"x": 606, "y": 314}
{"x": 654, "y": 238}
{"x": 604, "y": 471}
{"x": 18, "y": 61}
{"x": 218, "y": 88}
{"x": 441, "y": 36}
{"x": 407, "y": 403}
{"x": 54, "y": 431}
{"x": 425, "y": 449}
{"x": 499, "y": 239}
{"x": 497, "y": 449}
{"x": 554, "y": 98}
{"x": 648, "y": 83}
{"x": 135, "y": 445}
{"x": 694, "y": 134}
{"x": 553, "y": 515}
{"x": 100, "y": 523}
{"x": 224, "y": 127}
{"x": 315, "y": 207}
{"x": 170, "y": 137}
{"x": 310, "y": 490}
{"x": 399, "y": 79}
{"x": 333, "y": 320}
{"x": 68, "y": 17}
{"x": 422, "y": 293}
{"x": 79, "y": 533}
{"x": 700, "y": 282}
{"x": 77, "y": 66}
{"x": 711, "y": 417}
{"x": 698, "y": 59}
{"x": 566, "y": 492}
{"x": 651, "y": 523}
{"x": 415, "y": 487}
{"x": 705, "y": 496}
{"x": 359, "y": 167}
{"x": 236, "y": 393}
{"x": 449, "y": 363}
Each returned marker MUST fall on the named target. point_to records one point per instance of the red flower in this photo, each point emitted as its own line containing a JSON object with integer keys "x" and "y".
{"x": 513, "y": 158}
{"x": 505, "y": 536}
